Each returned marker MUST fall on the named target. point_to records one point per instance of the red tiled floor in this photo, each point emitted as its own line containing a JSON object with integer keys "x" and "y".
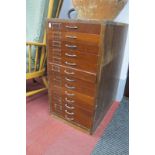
{"x": 48, "y": 136}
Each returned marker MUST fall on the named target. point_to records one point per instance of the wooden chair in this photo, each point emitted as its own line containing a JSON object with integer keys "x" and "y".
{"x": 36, "y": 52}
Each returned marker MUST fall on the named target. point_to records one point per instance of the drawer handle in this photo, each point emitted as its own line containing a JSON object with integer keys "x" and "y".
{"x": 69, "y": 94}
{"x": 71, "y": 73}
{"x": 69, "y": 113}
{"x": 70, "y": 101}
{"x": 71, "y": 37}
{"x": 70, "y": 46}
{"x": 69, "y": 107}
{"x": 70, "y": 80}
{"x": 69, "y": 87}
{"x": 69, "y": 119}
{"x": 70, "y": 55}
{"x": 71, "y": 27}
{"x": 70, "y": 63}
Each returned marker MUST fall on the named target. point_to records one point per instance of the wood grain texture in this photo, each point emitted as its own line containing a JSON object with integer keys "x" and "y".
{"x": 74, "y": 26}
{"x": 114, "y": 43}
{"x": 75, "y": 60}
{"x": 59, "y": 96}
{"x": 72, "y": 72}
{"x": 82, "y": 90}
{"x": 71, "y": 83}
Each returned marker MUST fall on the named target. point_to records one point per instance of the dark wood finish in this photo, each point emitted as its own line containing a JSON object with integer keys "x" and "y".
{"x": 75, "y": 59}
{"x": 72, "y": 72}
{"x": 75, "y": 37}
{"x": 71, "y": 83}
{"x": 74, "y": 26}
{"x": 62, "y": 45}
{"x": 82, "y": 90}
{"x": 60, "y": 96}
{"x": 77, "y": 115}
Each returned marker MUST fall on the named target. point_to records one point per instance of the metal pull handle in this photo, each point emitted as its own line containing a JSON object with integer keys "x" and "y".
{"x": 70, "y": 46}
{"x": 70, "y": 63}
{"x": 70, "y": 55}
{"x": 71, "y": 27}
{"x": 69, "y": 87}
{"x": 69, "y": 94}
{"x": 70, "y": 80}
{"x": 69, "y": 119}
{"x": 69, "y": 73}
{"x": 70, "y": 113}
{"x": 70, "y": 101}
{"x": 71, "y": 37}
{"x": 69, "y": 107}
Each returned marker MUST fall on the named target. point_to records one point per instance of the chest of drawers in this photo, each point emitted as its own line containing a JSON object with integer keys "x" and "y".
{"x": 84, "y": 59}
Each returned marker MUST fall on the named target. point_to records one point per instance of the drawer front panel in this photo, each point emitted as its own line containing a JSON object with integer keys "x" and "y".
{"x": 80, "y": 116}
{"x": 73, "y": 113}
{"x": 74, "y": 59}
{"x": 71, "y": 72}
{"x": 61, "y": 95}
{"x": 71, "y": 83}
{"x": 73, "y": 37}
{"x": 74, "y": 27}
{"x": 70, "y": 46}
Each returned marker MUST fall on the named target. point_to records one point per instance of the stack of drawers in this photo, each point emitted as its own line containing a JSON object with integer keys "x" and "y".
{"x": 75, "y": 62}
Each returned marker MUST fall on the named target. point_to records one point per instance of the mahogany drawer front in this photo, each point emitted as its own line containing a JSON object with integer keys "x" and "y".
{"x": 74, "y": 37}
{"x": 92, "y": 28}
{"x": 71, "y": 72}
{"x": 75, "y": 115}
{"x": 61, "y": 96}
{"x": 80, "y": 116}
{"x": 75, "y": 60}
{"x": 70, "y": 46}
{"x": 71, "y": 83}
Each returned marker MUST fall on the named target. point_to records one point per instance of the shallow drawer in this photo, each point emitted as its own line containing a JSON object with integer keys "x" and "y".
{"x": 71, "y": 83}
{"x": 74, "y": 26}
{"x": 70, "y": 46}
{"x": 74, "y": 59}
{"x": 60, "y": 95}
{"x": 75, "y": 115}
{"x": 74, "y": 37}
{"x": 75, "y": 73}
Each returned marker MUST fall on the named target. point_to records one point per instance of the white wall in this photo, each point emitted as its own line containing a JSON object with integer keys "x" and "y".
{"x": 122, "y": 17}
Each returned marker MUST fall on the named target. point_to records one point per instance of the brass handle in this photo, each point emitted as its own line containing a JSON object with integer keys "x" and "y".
{"x": 71, "y": 73}
{"x": 70, "y": 46}
{"x": 69, "y": 113}
{"x": 70, "y": 55}
{"x": 71, "y": 37}
{"x": 71, "y": 27}
{"x": 69, "y": 119}
{"x": 70, "y": 101}
{"x": 69, "y": 94}
{"x": 70, "y": 63}
{"x": 69, "y": 87}
{"x": 70, "y": 80}
{"x": 69, "y": 107}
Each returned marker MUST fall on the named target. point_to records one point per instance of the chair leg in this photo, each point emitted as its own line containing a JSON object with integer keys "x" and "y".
{"x": 45, "y": 81}
{"x": 34, "y": 81}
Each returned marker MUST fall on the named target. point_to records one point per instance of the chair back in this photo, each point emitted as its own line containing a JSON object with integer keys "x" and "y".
{"x": 37, "y": 13}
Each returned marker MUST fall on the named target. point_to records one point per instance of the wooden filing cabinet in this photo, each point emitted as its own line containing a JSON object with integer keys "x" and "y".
{"x": 84, "y": 60}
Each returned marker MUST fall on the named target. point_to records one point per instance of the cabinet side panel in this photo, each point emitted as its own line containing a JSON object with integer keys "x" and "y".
{"x": 114, "y": 43}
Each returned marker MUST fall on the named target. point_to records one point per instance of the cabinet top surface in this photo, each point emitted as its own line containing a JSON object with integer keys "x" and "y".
{"x": 89, "y": 21}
